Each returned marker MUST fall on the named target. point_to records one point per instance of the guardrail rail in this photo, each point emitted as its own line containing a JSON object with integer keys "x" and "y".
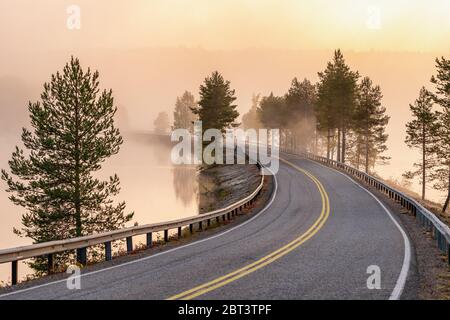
{"x": 438, "y": 229}
{"x": 80, "y": 244}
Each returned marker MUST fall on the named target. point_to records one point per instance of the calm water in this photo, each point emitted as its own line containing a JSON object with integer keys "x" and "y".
{"x": 154, "y": 189}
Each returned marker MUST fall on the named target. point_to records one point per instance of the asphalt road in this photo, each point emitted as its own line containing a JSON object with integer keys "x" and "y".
{"x": 316, "y": 240}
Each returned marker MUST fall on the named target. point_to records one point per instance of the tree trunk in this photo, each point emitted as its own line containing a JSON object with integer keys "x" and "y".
{"x": 423, "y": 162}
{"x": 358, "y": 155}
{"x": 367, "y": 152}
{"x": 339, "y": 145}
{"x": 448, "y": 193}
{"x": 343, "y": 144}
{"x": 315, "y": 141}
{"x": 77, "y": 196}
{"x": 328, "y": 143}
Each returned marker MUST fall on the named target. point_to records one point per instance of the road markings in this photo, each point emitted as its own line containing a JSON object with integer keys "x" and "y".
{"x": 401, "y": 280}
{"x": 277, "y": 254}
{"x": 83, "y": 275}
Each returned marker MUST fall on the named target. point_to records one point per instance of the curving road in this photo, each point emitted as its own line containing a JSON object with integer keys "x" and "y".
{"x": 315, "y": 240}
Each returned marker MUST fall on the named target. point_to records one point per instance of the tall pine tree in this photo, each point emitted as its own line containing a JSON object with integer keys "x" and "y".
{"x": 442, "y": 97}
{"x": 72, "y": 134}
{"x": 272, "y": 112}
{"x": 216, "y": 108}
{"x": 421, "y": 134}
{"x": 161, "y": 124}
{"x": 300, "y": 104}
{"x": 183, "y": 117}
{"x": 250, "y": 120}
{"x": 336, "y": 101}
{"x": 369, "y": 123}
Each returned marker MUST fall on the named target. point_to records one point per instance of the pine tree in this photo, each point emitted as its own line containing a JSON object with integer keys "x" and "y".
{"x": 421, "y": 133}
{"x": 336, "y": 101}
{"x": 183, "y": 117}
{"x": 442, "y": 97}
{"x": 326, "y": 119}
{"x": 250, "y": 120}
{"x": 300, "y": 104}
{"x": 369, "y": 123}
{"x": 215, "y": 108}
{"x": 161, "y": 124}
{"x": 73, "y": 133}
{"x": 272, "y": 113}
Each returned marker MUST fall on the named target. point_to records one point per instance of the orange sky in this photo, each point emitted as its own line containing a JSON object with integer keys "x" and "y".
{"x": 150, "y": 51}
{"x": 229, "y": 24}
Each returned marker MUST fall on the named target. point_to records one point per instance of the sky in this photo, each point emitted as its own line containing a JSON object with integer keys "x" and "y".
{"x": 407, "y": 25}
{"x": 150, "y": 51}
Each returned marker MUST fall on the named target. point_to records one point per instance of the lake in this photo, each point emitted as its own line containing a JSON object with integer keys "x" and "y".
{"x": 151, "y": 186}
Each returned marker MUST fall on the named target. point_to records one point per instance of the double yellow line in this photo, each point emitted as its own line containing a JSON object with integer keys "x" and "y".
{"x": 275, "y": 255}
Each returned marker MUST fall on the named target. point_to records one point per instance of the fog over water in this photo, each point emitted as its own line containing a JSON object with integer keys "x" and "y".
{"x": 151, "y": 186}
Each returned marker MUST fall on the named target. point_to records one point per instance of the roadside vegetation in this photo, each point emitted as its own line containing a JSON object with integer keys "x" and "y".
{"x": 429, "y": 132}
{"x": 342, "y": 117}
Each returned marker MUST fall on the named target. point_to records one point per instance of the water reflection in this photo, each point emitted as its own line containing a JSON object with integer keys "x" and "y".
{"x": 185, "y": 183}
{"x": 151, "y": 186}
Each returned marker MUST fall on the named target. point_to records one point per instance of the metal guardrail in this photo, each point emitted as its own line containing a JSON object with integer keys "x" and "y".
{"x": 439, "y": 230}
{"x": 48, "y": 249}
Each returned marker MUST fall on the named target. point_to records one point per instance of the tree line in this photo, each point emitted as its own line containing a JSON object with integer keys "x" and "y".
{"x": 73, "y": 132}
{"x": 341, "y": 116}
{"x": 429, "y": 132}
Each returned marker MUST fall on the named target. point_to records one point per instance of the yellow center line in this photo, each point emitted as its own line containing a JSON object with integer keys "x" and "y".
{"x": 277, "y": 254}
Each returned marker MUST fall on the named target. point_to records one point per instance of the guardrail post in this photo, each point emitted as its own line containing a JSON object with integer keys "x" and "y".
{"x": 149, "y": 240}
{"x": 438, "y": 240}
{"x": 14, "y": 272}
{"x": 82, "y": 256}
{"x": 179, "y": 232}
{"x": 129, "y": 244}
{"x": 166, "y": 235}
{"x": 50, "y": 263}
{"x": 218, "y": 219}
{"x": 228, "y": 216}
{"x": 200, "y": 225}
{"x": 208, "y": 222}
{"x": 191, "y": 228}
{"x": 108, "y": 251}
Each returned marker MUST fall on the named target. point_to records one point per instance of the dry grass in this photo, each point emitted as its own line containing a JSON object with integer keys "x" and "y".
{"x": 434, "y": 207}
